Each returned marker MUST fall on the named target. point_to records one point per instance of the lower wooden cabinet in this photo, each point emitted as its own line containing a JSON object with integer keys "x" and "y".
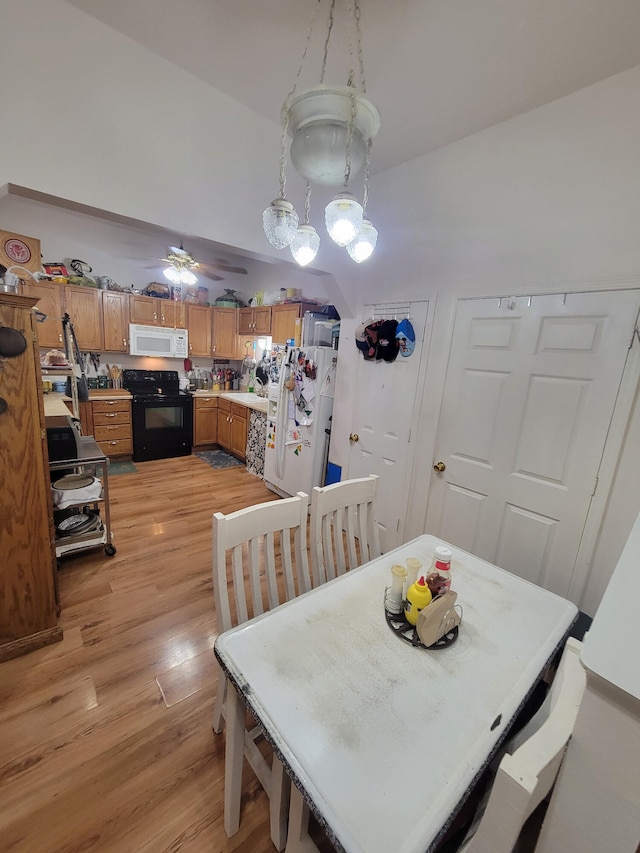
{"x": 239, "y": 422}
{"x": 112, "y": 426}
{"x": 232, "y": 427}
{"x": 205, "y": 421}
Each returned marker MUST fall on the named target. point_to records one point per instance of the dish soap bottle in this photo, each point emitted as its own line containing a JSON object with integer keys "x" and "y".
{"x": 418, "y": 597}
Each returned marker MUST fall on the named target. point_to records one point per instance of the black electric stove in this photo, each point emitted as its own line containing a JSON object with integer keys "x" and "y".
{"x": 161, "y": 414}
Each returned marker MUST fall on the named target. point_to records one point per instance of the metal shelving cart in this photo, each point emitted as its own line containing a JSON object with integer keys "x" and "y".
{"x": 90, "y": 457}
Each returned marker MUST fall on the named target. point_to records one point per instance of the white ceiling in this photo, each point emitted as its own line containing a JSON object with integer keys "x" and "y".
{"x": 437, "y": 70}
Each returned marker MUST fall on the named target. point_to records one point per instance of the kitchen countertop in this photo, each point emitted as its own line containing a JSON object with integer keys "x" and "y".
{"x": 251, "y": 401}
{"x": 55, "y": 401}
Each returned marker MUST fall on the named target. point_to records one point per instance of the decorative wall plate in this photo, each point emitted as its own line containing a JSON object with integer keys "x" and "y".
{"x": 17, "y": 251}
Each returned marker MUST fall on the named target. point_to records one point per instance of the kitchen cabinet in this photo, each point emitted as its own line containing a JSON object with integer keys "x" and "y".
{"x": 233, "y": 421}
{"x": 112, "y": 430}
{"x": 84, "y": 306}
{"x": 255, "y": 321}
{"x": 115, "y": 321}
{"x": 199, "y": 328}
{"x": 225, "y": 332}
{"x": 50, "y": 301}
{"x": 205, "y": 421}
{"x": 239, "y": 426}
{"x": 224, "y": 424}
{"x": 28, "y": 606}
{"x": 153, "y": 311}
{"x": 286, "y": 321}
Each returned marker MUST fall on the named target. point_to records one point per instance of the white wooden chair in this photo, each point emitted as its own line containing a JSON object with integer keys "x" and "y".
{"x": 528, "y": 769}
{"x": 245, "y": 553}
{"x": 343, "y": 507}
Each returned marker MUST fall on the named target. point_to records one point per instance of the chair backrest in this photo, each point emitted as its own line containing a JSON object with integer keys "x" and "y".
{"x": 245, "y": 548}
{"x": 338, "y": 512}
{"x": 528, "y": 770}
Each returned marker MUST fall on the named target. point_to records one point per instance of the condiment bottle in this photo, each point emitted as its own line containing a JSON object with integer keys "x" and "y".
{"x": 413, "y": 567}
{"x": 439, "y": 579}
{"x": 394, "y": 600}
{"x": 418, "y": 597}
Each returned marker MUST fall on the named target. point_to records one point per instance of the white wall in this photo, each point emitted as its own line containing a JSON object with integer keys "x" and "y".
{"x": 548, "y": 201}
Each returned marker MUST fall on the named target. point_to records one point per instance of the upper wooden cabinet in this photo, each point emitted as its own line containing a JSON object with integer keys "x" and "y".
{"x": 286, "y": 321}
{"x": 50, "y": 301}
{"x": 84, "y": 306}
{"x": 199, "y": 328}
{"x": 115, "y": 321}
{"x": 255, "y": 321}
{"x": 152, "y": 311}
{"x": 225, "y": 332}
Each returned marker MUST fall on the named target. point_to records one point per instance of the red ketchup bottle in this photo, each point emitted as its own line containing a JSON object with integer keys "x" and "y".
{"x": 439, "y": 578}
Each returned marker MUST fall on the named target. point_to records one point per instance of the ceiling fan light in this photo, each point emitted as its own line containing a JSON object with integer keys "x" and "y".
{"x": 363, "y": 244}
{"x": 172, "y": 274}
{"x": 280, "y": 222}
{"x": 343, "y": 218}
{"x": 305, "y": 244}
{"x": 187, "y": 277}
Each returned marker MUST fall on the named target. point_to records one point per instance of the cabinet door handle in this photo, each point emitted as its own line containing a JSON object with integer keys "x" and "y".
{"x": 60, "y": 338}
{"x": 162, "y": 321}
{"x": 124, "y": 342}
{"x": 113, "y": 442}
{"x": 111, "y": 414}
{"x": 155, "y": 316}
{"x": 213, "y": 349}
{"x": 110, "y": 402}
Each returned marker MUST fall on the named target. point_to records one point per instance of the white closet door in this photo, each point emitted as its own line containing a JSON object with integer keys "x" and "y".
{"x": 383, "y": 413}
{"x": 529, "y": 394}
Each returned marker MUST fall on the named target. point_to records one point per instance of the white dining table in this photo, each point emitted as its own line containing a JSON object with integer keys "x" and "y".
{"x": 384, "y": 740}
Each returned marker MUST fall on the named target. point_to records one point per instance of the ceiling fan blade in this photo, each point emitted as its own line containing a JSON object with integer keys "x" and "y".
{"x": 220, "y": 264}
{"x": 211, "y": 275}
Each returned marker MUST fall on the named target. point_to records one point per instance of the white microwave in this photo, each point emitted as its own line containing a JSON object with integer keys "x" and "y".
{"x": 158, "y": 341}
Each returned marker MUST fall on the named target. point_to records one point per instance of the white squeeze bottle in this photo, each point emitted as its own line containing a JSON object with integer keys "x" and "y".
{"x": 439, "y": 579}
{"x": 413, "y": 567}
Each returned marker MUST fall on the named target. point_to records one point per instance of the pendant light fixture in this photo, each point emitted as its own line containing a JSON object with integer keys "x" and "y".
{"x": 332, "y": 129}
{"x": 306, "y": 242}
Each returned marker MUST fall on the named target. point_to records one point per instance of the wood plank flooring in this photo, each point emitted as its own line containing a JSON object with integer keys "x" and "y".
{"x": 105, "y": 738}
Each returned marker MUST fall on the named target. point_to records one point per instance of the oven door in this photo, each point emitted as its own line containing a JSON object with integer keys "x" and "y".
{"x": 162, "y": 428}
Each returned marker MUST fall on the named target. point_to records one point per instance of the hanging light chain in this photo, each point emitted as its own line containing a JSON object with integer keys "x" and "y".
{"x": 352, "y": 120}
{"x": 367, "y": 165}
{"x": 306, "y": 48}
{"x": 307, "y": 203}
{"x": 283, "y": 151}
{"x": 327, "y": 40}
{"x": 356, "y": 15}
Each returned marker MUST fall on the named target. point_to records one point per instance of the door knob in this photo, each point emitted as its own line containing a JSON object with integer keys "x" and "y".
{"x": 354, "y": 437}
{"x": 439, "y": 467}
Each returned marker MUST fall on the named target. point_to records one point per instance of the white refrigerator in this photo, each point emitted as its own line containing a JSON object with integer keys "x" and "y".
{"x": 298, "y": 420}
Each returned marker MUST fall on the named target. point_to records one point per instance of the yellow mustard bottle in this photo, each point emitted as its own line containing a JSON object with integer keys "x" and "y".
{"x": 418, "y": 597}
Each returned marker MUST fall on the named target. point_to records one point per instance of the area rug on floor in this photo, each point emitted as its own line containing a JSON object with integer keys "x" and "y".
{"x": 122, "y": 468}
{"x": 218, "y": 458}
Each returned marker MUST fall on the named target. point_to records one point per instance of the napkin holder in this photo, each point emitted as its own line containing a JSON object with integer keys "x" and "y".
{"x": 438, "y": 619}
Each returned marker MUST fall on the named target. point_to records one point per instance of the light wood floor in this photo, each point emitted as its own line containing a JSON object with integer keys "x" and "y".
{"x": 105, "y": 738}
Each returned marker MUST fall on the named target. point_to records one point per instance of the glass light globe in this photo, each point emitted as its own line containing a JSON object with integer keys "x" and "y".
{"x": 343, "y": 217}
{"x": 363, "y": 244}
{"x": 305, "y": 244}
{"x": 172, "y": 274}
{"x": 187, "y": 277}
{"x": 280, "y": 221}
{"x": 319, "y": 152}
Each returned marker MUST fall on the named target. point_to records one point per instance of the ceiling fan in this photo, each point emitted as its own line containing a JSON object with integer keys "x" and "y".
{"x": 181, "y": 260}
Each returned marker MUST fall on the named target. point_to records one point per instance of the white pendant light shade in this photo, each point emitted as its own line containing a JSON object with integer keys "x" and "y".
{"x": 343, "y": 218}
{"x": 305, "y": 245}
{"x": 363, "y": 244}
{"x": 318, "y": 152}
{"x": 280, "y": 222}
{"x": 172, "y": 274}
{"x": 187, "y": 277}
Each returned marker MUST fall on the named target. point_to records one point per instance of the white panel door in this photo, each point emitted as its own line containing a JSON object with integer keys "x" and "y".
{"x": 383, "y": 412}
{"x": 530, "y": 389}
